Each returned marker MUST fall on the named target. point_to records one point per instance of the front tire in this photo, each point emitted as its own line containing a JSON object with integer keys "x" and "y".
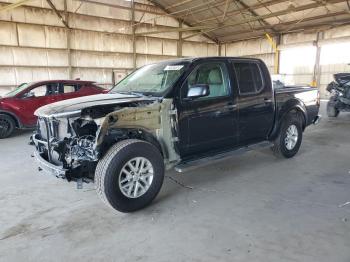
{"x": 288, "y": 142}
{"x": 7, "y": 126}
{"x": 130, "y": 175}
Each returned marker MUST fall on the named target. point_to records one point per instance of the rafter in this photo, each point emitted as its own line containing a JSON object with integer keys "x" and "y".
{"x": 14, "y": 5}
{"x": 279, "y": 13}
{"x": 260, "y": 31}
{"x": 250, "y": 10}
{"x": 58, "y": 13}
{"x": 181, "y": 29}
{"x": 209, "y": 28}
{"x": 237, "y": 11}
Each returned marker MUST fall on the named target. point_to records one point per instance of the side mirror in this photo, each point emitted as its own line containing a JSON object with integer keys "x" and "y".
{"x": 29, "y": 95}
{"x": 197, "y": 91}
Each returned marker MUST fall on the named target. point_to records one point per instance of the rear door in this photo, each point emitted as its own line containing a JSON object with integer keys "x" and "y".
{"x": 255, "y": 99}
{"x": 208, "y": 123}
{"x": 90, "y": 89}
{"x": 68, "y": 91}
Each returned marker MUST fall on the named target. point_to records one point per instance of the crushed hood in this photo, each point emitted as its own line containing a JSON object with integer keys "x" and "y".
{"x": 77, "y": 104}
{"x": 342, "y": 78}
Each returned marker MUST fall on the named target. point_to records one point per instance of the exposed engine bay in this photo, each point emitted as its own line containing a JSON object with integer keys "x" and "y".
{"x": 340, "y": 90}
{"x": 76, "y": 140}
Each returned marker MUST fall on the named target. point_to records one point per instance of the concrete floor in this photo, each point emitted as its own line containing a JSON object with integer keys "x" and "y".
{"x": 251, "y": 208}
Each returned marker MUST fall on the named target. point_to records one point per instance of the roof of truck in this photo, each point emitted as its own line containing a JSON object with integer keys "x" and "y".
{"x": 192, "y": 59}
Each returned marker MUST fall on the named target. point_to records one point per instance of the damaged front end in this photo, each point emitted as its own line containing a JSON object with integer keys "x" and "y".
{"x": 66, "y": 146}
{"x": 70, "y": 144}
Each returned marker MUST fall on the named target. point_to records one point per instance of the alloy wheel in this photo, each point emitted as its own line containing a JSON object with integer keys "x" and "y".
{"x": 291, "y": 138}
{"x": 136, "y": 177}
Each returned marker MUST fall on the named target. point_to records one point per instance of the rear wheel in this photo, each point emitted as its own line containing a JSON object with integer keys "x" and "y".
{"x": 130, "y": 175}
{"x": 288, "y": 142}
{"x": 7, "y": 126}
{"x": 332, "y": 111}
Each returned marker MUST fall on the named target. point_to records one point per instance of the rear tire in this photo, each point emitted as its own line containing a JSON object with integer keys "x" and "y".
{"x": 124, "y": 166}
{"x": 332, "y": 111}
{"x": 7, "y": 126}
{"x": 288, "y": 142}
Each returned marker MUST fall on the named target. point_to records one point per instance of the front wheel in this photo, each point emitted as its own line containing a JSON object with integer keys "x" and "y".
{"x": 130, "y": 175}
{"x": 288, "y": 142}
{"x": 7, "y": 126}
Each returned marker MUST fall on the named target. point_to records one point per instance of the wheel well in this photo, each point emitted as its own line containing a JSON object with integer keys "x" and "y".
{"x": 300, "y": 115}
{"x": 119, "y": 135}
{"x": 296, "y": 111}
{"x": 12, "y": 117}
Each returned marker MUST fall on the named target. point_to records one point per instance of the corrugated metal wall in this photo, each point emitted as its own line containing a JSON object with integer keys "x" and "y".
{"x": 35, "y": 45}
{"x": 298, "y": 55}
{"x": 258, "y": 48}
{"x": 335, "y": 55}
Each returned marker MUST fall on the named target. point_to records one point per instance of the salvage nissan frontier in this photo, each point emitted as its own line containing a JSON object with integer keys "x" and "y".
{"x": 177, "y": 114}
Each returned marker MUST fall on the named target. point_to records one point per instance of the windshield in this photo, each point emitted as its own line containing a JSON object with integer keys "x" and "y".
{"x": 152, "y": 79}
{"x": 17, "y": 90}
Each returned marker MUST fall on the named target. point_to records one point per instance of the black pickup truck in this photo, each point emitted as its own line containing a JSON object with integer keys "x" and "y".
{"x": 174, "y": 114}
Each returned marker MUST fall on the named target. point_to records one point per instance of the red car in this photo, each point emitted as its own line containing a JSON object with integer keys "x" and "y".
{"x": 18, "y": 106}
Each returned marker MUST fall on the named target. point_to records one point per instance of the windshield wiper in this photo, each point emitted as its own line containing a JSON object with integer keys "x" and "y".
{"x": 131, "y": 93}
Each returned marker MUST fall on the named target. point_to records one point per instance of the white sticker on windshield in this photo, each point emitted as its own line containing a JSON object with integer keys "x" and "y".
{"x": 173, "y": 67}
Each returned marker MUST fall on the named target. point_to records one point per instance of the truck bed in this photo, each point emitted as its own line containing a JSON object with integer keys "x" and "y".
{"x": 308, "y": 97}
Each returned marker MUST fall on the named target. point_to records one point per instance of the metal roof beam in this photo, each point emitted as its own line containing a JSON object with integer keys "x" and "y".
{"x": 179, "y": 29}
{"x": 279, "y": 13}
{"x": 58, "y": 13}
{"x": 318, "y": 27}
{"x": 310, "y": 19}
{"x": 252, "y": 7}
{"x": 251, "y": 11}
{"x": 14, "y": 5}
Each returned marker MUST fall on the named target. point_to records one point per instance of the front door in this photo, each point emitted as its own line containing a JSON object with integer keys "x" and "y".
{"x": 208, "y": 123}
{"x": 256, "y": 101}
{"x": 36, "y": 97}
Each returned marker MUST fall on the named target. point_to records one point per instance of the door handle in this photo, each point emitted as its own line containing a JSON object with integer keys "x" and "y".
{"x": 231, "y": 106}
{"x": 267, "y": 100}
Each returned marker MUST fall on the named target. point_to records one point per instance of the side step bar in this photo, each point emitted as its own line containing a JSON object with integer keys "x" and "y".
{"x": 193, "y": 164}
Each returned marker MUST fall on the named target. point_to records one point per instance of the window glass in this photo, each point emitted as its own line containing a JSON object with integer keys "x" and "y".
{"x": 249, "y": 77}
{"x": 52, "y": 89}
{"x": 17, "y": 90}
{"x": 68, "y": 88}
{"x": 39, "y": 91}
{"x": 212, "y": 74}
{"x": 153, "y": 79}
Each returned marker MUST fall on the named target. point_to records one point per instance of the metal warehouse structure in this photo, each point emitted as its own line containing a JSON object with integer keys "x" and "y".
{"x": 106, "y": 39}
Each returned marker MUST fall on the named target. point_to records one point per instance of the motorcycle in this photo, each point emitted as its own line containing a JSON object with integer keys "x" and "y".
{"x": 340, "y": 99}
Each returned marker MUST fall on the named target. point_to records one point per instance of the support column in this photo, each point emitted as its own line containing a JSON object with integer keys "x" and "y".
{"x": 277, "y": 56}
{"x": 68, "y": 35}
{"x": 317, "y": 69}
{"x": 179, "y": 43}
{"x": 133, "y": 33}
{"x": 219, "y": 49}
{"x": 274, "y": 45}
